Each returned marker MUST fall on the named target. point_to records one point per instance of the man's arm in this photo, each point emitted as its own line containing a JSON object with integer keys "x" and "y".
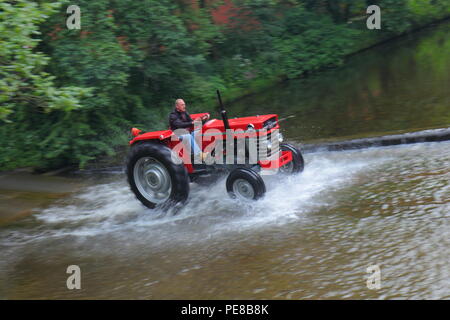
{"x": 203, "y": 118}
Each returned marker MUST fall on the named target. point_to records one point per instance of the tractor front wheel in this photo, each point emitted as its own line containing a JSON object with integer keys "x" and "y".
{"x": 245, "y": 184}
{"x": 296, "y": 165}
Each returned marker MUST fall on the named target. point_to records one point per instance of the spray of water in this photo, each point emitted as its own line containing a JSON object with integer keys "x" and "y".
{"x": 111, "y": 209}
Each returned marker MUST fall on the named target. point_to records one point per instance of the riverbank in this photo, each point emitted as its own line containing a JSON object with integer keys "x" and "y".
{"x": 433, "y": 135}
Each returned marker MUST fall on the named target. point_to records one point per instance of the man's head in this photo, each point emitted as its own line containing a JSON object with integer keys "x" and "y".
{"x": 180, "y": 105}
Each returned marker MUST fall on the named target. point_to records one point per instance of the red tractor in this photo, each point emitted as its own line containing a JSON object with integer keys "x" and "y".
{"x": 159, "y": 173}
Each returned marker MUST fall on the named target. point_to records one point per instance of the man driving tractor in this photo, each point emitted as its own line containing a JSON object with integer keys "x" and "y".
{"x": 179, "y": 118}
{"x": 160, "y": 181}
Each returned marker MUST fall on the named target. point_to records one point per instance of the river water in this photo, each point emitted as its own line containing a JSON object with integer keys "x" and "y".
{"x": 313, "y": 236}
{"x": 398, "y": 87}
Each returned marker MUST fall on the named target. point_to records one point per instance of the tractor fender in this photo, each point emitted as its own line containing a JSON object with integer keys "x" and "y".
{"x": 155, "y": 135}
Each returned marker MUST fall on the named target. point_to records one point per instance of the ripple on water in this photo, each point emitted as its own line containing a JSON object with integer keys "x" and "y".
{"x": 346, "y": 211}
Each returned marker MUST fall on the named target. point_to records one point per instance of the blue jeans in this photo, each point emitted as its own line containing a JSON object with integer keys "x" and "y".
{"x": 190, "y": 138}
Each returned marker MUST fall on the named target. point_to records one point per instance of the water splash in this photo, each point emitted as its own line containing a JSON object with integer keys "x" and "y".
{"x": 111, "y": 209}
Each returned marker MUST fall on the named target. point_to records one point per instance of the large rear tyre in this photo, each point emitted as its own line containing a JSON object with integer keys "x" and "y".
{"x": 245, "y": 184}
{"x": 154, "y": 178}
{"x": 296, "y": 165}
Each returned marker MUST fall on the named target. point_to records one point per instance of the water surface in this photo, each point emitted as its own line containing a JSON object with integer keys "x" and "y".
{"x": 312, "y": 236}
{"x": 400, "y": 86}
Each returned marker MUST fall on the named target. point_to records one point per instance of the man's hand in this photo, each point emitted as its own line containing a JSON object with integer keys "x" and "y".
{"x": 197, "y": 122}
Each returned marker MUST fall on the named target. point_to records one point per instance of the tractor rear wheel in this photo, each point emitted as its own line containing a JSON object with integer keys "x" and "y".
{"x": 154, "y": 178}
{"x": 245, "y": 184}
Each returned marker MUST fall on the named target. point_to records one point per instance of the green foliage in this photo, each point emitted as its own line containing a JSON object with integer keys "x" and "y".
{"x": 313, "y": 42}
{"x": 70, "y": 96}
{"x": 23, "y": 81}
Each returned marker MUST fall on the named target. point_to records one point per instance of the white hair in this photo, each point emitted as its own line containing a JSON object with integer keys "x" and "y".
{"x": 178, "y": 101}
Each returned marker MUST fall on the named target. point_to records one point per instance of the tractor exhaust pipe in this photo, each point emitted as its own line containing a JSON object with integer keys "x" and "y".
{"x": 223, "y": 112}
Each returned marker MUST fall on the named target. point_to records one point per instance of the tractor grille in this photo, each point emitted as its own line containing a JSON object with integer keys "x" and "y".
{"x": 269, "y": 139}
{"x": 260, "y": 144}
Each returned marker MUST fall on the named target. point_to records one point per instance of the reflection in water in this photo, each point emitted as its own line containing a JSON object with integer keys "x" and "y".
{"x": 312, "y": 236}
{"x": 400, "y": 86}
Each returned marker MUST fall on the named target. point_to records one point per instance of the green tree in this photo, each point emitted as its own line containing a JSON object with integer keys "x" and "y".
{"x": 24, "y": 83}
{"x": 29, "y": 97}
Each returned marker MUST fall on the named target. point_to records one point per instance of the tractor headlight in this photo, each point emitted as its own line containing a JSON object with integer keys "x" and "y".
{"x": 250, "y": 128}
{"x": 280, "y": 137}
{"x": 266, "y": 142}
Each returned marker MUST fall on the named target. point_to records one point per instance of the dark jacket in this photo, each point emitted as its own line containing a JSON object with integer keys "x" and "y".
{"x": 179, "y": 120}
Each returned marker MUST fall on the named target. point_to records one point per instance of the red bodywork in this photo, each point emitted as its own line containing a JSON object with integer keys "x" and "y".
{"x": 238, "y": 124}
